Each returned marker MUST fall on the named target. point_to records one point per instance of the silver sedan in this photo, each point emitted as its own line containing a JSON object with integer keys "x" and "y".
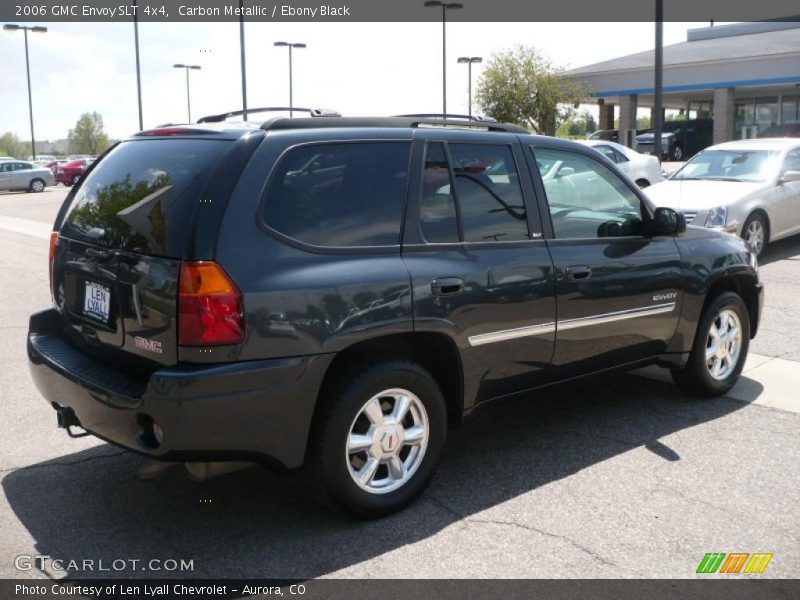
{"x": 19, "y": 175}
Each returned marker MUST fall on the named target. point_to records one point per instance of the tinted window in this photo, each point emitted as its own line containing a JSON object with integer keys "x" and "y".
{"x": 347, "y": 194}
{"x": 488, "y": 193}
{"x": 437, "y": 206}
{"x": 141, "y": 196}
{"x": 586, "y": 199}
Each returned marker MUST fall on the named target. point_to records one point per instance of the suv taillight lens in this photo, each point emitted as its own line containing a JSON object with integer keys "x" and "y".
{"x": 209, "y": 306}
{"x": 53, "y": 246}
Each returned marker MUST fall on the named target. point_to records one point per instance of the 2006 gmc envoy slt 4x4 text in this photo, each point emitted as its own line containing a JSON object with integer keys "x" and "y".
{"x": 338, "y": 291}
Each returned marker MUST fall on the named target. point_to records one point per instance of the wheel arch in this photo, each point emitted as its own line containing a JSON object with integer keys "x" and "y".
{"x": 745, "y": 286}
{"x": 436, "y": 352}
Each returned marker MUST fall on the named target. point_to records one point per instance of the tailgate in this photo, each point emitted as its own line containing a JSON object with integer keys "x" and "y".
{"x": 122, "y": 239}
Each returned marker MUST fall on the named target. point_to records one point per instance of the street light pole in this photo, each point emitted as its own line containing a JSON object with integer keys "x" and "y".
{"x": 25, "y": 30}
{"x": 138, "y": 69}
{"x": 188, "y": 95}
{"x": 290, "y": 45}
{"x": 659, "y": 79}
{"x": 445, "y": 6}
{"x": 469, "y": 60}
{"x": 244, "y": 65}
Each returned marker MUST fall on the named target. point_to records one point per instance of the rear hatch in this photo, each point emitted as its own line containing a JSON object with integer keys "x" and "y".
{"x": 122, "y": 238}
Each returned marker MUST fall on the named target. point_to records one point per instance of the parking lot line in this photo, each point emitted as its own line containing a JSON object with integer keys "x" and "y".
{"x": 26, "y": 227}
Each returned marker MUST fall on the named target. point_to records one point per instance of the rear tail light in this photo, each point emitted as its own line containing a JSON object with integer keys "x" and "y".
{"x": 210, "y": 309}
{"x": 53, "y": 246}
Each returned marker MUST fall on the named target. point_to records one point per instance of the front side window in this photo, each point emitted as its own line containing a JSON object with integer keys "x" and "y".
{"x": 340, "y": 194}
{"x": 792, "y": 161}
{"x": 586, "y": 199}
{"x": 488, "y": 193}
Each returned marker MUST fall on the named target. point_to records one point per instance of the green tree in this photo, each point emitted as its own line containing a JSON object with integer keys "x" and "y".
{"x": 522, "y": 86}
{"x": 11, "y": 145}
{"x": 88, "y": 136}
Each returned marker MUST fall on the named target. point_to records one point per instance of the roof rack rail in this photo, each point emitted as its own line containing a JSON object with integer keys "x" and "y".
{"x": 282, "y": 123}
{"x": 314, "y": 112}
{"x": 450, "y": 116}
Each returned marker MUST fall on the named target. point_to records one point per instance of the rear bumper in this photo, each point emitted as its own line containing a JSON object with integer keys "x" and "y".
{"x": 255, "y": 410}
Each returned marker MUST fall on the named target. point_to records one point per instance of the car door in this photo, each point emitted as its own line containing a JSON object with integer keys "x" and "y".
{"x": 22, "y": 174}
{"x": 6, "y": 175}
{"x": 618, "y": 292}
{"x": 785, "y": 211}
{"x": 480, "y": 270}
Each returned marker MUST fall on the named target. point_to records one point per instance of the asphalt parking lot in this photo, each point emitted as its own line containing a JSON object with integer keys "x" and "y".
{"x": 626, "y": 477}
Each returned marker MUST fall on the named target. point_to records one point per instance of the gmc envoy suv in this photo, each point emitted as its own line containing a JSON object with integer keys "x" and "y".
{"x": 337, "y": 292}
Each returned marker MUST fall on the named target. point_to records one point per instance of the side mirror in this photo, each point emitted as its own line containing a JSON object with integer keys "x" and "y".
{"x": 667, "y": 221}
{"x": 789, "y": 177}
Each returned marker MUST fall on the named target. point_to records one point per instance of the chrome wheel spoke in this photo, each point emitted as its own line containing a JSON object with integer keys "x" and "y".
{"x": 711, "y": 352}
{"x": 374, "y": 411}
{"x": 367, "y": 472}
{"x": 400, "y": 409}
{"x": 414, "y": 435}
{"x": 397, "y": 469}
{"x": 358, "y": 442}
{"x": 724, "y": 344}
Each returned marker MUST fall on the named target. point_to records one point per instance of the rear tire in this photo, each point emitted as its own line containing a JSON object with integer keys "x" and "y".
{"x": 718, "y": 353}
{"x": 36, "y": 186}
{"x": 75, "y": 180}
{"x": 677, "y": 152}
{"x": 370, "y": 462}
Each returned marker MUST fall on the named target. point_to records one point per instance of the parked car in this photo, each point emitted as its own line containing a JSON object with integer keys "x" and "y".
{"x": 611, "y": 135}
{"x": 748, "y": 187}
{"x": 19, "y": 175}
{"x": 786, "y": 130}
{"x": 69, "y": 173}
{"x": 423, "y": 267}
{"x": 42, "y": 158}
{"x": 5, "y": 158}
{"x": 643, "y": 169}
{"x": 680, "y": 140}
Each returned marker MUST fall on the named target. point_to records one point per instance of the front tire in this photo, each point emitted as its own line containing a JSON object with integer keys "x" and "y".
{"x": 75, "y": 180}
{"x": 754, "y": 233}
{"x": 37, "y": 185}
{"x": 677, "y": 152}
{"x": 720, "y": 348}
{"x": 377, "y": 444}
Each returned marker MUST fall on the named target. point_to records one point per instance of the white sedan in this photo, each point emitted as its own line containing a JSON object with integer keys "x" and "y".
{"x": 644, "y": 169}
{"x": 749, "y": 187}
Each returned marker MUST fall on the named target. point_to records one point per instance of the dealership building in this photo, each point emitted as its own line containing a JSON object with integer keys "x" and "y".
{"x": 745, "y": 76}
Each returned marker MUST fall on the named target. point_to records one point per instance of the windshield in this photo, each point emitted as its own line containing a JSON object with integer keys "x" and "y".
{"x": 729, "y": 165}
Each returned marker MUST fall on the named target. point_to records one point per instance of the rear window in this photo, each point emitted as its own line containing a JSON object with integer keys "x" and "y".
{"x": 339, "y": 194}
{"x": 141, "y": 196}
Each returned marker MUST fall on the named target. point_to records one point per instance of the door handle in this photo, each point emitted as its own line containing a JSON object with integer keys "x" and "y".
{"x": 578, "y": 273}
{"x": 447, "y": 286}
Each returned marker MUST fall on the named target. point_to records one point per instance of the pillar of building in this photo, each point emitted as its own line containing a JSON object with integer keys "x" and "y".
{"x": 627, "y": 116}
{"x": 653, "y": 115}
{"x": 606, "y": 120}
{"x": 723, "y": 115}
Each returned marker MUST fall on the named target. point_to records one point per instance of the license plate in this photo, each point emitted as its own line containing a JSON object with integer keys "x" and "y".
{"x": 96, "y": 301}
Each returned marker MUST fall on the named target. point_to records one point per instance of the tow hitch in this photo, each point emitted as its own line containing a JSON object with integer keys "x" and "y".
{"x": 66, "y": 420}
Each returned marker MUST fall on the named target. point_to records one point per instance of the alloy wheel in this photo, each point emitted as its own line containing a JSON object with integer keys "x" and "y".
{"x": 754, "y": 236}
{"x": 723, "y": 344}
{"x": 387, "y": 441}
{"x": 37, "y": 186}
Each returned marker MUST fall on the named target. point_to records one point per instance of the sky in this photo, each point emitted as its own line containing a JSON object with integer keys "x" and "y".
{"x": 356, "y": 68}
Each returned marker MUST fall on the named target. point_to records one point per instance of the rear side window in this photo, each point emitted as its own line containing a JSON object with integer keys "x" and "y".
{"x": 339, "y": 194}
{"x": 142, "y": 195}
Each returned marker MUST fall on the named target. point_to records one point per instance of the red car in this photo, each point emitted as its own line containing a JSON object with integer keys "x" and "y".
{"x": 69, "y": 173}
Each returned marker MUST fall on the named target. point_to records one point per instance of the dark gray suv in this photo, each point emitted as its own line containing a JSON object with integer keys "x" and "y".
{"x": 338, "y": 291}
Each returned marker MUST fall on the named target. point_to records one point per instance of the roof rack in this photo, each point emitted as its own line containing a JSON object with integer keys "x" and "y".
{"x": 314, "y": 112}
{"x": 450, "y": 116}
{"x": 282, "y": 123}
